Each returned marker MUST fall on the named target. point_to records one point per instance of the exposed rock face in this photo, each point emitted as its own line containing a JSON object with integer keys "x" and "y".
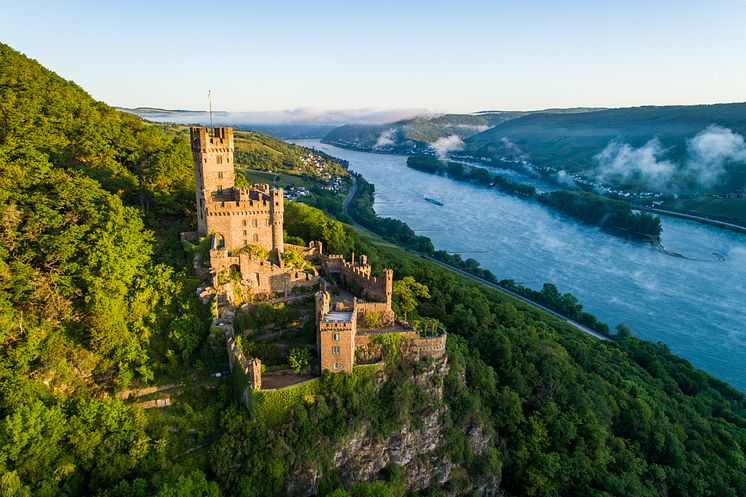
{"x": 419, "y": 450}
{"x": 415, "y": 450}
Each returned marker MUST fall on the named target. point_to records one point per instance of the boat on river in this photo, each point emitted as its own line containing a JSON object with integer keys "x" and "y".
{"x": 434, "y": 201}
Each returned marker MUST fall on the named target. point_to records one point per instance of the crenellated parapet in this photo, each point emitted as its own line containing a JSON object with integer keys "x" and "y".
{"x": 358, "y": 273}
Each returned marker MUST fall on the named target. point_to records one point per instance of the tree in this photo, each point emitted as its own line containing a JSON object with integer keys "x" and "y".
{"x": 405, "y": 294}
{"x": 299, "y": 359}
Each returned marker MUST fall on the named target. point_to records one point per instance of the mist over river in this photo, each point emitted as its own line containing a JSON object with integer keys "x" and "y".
{"x": 696, "y": 308}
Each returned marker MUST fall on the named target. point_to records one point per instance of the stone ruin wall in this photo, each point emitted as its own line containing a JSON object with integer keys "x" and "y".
{"x": 411, "y": 344}
{"x": 258, "y": 277}
{"x": 383, "y": 311}
{"x": 360, "y": 274}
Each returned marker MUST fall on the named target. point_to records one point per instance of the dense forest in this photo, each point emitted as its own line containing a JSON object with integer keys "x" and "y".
{"x": 96, "y": 297}
{"x": 594, "y": 209}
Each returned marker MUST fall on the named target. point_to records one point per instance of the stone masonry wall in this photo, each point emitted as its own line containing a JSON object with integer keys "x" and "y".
{"x": 383, "y": 312}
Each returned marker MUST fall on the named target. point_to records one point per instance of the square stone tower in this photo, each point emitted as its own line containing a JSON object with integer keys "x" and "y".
{"x": 213, "y": 168}
{"x": 237, "y": 217}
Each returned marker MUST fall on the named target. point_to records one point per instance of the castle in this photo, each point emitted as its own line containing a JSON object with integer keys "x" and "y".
{"x": 236, "y": 216}
{"x": 246, "y": 224}
{"x": 351, "y": 330}
{"x": 246, "y": 263}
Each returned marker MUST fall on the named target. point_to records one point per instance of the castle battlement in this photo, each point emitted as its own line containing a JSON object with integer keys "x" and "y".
{"x": 220, "y": 140}
{"x": 360, "y": 273}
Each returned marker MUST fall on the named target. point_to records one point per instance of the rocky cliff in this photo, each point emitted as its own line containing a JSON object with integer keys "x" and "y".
{"x": 418, "y": 448}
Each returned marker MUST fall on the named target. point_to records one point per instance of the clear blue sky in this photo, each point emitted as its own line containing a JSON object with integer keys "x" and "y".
{"x": 444, "y": 56}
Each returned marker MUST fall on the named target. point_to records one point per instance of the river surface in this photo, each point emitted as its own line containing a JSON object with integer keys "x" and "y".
{"x": 695, "y": 307}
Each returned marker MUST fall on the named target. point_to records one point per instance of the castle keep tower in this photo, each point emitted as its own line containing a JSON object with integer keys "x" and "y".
{"x": 213, "y": 168}
{"x": 236, "y": 216}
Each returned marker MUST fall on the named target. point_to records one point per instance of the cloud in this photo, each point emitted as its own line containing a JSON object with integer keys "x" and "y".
{"x": 474, "y": 128}
{"x": 710, "y": 151}
{"x": 513, "y": 149}
{"x": 386, "y": 138}
{"x": 703, "y": 167}
{"x": 447, "y": 144}
{"x": 301, "y": 115}
{"x": 564, "y": 178}
{"x": 621, "y": 163}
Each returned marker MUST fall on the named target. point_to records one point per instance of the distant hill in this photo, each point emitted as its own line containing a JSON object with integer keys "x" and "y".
{"x": 417, "y": 134}
{"x": 573, "y": 141}
{"x": 501, "y": 116}
{"x": 408, "y": 136}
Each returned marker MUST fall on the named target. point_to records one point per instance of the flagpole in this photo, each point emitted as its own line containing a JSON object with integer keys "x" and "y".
{"x": 209, "y": 100}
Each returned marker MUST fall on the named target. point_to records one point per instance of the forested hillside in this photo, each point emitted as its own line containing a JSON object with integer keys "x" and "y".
{"x": 93, "y": 291}
{"x": 572, "y": 141}
{"x": 407, "y": 136}
{"x": 96, "y": 296}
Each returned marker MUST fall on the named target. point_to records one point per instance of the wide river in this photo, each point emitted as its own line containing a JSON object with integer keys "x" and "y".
{"x": 697, "y": 308}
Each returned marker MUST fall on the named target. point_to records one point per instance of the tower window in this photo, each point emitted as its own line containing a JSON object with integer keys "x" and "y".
{"x": 220, "y": 175}
{"x": 254, "y": 223}
{"x": 336, "y": 365}
{"x": 335, "y": 337}
{"x": 335, "y": 350}
{"x": 244, "y": 222}
{"x": 220, "y": 190}
{"x": 244, "y": 232}
{"x": 256, "y": 237}
{"x": 219, "y": 159}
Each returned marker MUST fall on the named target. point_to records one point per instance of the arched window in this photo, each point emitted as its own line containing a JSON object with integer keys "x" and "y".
{"x": 256, "y": 237}
{"x": 336, "y": 365}
{"x": 219, "y": 242}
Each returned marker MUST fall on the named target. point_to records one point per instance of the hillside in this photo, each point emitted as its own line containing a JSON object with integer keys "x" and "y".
{"x": 407, "y": 136}
{"x": 97, "y": 301}
{"x": 422, "y": 134}
{"x": 572, "y": 142}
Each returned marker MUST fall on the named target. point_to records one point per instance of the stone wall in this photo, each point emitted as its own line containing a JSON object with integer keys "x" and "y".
{"x": 258, "y": 277}
{"x": 375, "y": 311}
{"x": 358, "y": 275}
{"x": 246, "y": 217}
{"x": 411, "y": 344}
{"x": 246, "y": 371}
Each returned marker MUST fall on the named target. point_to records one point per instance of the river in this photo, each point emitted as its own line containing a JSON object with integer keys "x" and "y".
{"x": 695, "y": 307}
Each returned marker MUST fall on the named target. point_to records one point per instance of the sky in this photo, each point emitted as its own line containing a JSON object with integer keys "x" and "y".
{"x": 443, "y": 56}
